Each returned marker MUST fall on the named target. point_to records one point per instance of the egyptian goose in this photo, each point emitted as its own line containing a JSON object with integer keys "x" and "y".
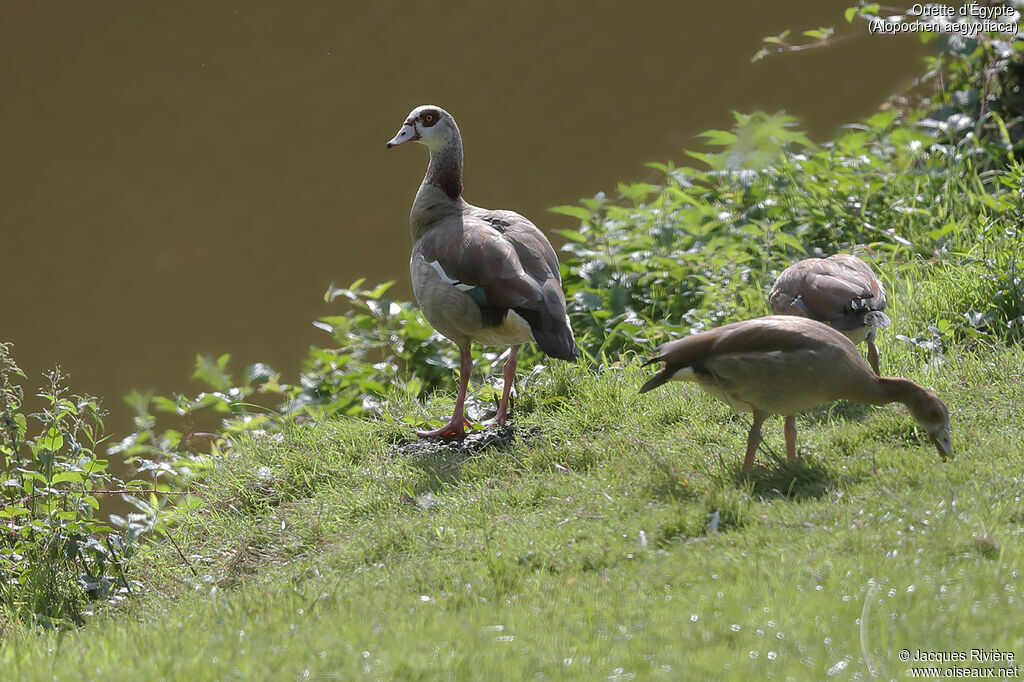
{"x": 841, "y": 291}
{"x": 782, "y": 365}
{"x": 478, "y": 275}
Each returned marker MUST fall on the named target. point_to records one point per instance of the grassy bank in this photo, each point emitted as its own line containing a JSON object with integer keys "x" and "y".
{"x": 582, "y": 547}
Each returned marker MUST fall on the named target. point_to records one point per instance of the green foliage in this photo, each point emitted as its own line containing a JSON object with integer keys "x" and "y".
{"x": 384, "y": 351}
{"x": 688, "y": 251}
{"x": 975, "y": 293}
{"x": 380, "y": 343}
{"x": 55, "y": 553}
{"x": 701, "y": 247}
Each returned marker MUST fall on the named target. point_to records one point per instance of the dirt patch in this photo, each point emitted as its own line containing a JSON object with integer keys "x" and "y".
{"x": 495, "y": 437}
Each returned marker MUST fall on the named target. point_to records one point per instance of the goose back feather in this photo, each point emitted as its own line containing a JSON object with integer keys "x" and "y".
{"x": 841, "y": 290}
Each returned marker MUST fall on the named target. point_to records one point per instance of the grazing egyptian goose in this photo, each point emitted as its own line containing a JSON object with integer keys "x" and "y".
{"x": 477, "y": 274}
{"x": 782, "y": 365}
{"x": 841, "y": 291}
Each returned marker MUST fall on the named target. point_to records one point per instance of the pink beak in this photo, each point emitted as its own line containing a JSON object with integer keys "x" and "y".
{"x": 408, "y": 133}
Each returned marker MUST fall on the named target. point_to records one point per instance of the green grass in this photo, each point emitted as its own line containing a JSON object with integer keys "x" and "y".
{"x": 582, "y": 549}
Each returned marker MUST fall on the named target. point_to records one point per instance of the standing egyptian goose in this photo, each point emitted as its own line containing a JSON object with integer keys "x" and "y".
{"x": 782, "y": 365}
{"x": 478, "y": 275}
{"x": 841, "y": 291}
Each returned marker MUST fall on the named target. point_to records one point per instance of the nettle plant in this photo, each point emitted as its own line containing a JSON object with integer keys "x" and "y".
{"x": 699, "y": 247}
{"x": 379, "y": 344}
{"x": 56, "y": 555}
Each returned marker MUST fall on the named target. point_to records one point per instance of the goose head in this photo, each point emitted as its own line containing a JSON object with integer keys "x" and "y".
{"x": 427, "y": 124}
{"x": 932, "y": 415}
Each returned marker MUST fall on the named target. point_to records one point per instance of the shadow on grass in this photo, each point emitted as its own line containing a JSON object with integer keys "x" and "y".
{"x": 804, "y": 478}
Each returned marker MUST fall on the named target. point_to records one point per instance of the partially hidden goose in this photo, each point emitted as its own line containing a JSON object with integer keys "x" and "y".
{"x": 782, "y": 365}
{"x": 841, "y": 291}
{"x": 477, "y": 274}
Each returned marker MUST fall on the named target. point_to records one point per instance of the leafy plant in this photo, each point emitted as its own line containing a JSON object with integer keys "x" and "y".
{"x": 700, "y": 248}
{"x": 381, "y": 346}
{"x": 55, "y": 553}
{"x": 379, "y": 343}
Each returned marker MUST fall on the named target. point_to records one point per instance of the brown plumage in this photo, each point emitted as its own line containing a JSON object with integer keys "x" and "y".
{"x": 841, "y": 291}
{"x": 477, "y": 274}
{"x": 782, "y": 365}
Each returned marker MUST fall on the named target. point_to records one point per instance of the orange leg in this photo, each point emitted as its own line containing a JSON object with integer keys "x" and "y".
{"x": 873, "y": 356}
{"x": 508, "y": 371}
{"x": 790, "y": 437}
{"x": 753, "y": 440}
{"x": 455, "y": 429}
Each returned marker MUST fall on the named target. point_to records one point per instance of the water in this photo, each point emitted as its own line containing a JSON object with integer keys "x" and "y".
{"x": 189, "y": 177}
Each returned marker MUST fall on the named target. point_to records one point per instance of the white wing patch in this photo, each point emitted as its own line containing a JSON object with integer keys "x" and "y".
{"x": 461, "y": 286}
{"x": 441, "y": 273}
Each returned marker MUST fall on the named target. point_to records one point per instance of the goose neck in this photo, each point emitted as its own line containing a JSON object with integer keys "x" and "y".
{"x": 893, "y": 390}
{"x": 445, "y": 168}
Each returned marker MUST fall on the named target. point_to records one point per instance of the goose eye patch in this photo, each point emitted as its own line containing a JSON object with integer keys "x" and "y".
{"x": 430, "y": 118}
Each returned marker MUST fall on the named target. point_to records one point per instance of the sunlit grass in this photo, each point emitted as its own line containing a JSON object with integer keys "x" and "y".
{"x": 585, "y": 550}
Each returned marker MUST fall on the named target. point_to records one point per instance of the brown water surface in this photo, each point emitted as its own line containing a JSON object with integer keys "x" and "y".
{"x": 188, "y": 177}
